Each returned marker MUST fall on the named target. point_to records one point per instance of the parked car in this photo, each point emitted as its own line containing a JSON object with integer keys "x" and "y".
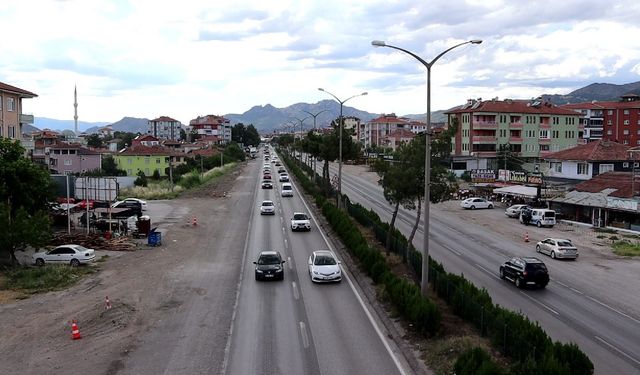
{"x": 73, "y": 255}
{"x": 540, "y": 217}
{"x": 557, "y": 248}
{"x": 267, "y": 184}
{"x": 300, "y": 221}
{"x": 284, "y": 177}
{"x": 473, "y": 203}
{"x": 269, "y": 266}
{"x": 286, "y": 190}
{"x": 267, "y": 208}
{"x": 525, "y": 271}
{"x": 133, "y": 208}
{"x": 143, "y": 203}
{"x": 324, "y": 267}
{"x": 514, "y": 211}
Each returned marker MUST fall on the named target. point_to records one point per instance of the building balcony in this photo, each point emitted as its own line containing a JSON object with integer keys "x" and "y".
{"x": 485, "y": 154}
{"x": 515, "y": 139}
{"x": 26, "y": 119}
{"x": 485, "y": 125}
{"x": 484, "y": 139}
{"x": 515, "y": 125}
{"x": 544, "y": 126}
{"x": 544, "y": 141}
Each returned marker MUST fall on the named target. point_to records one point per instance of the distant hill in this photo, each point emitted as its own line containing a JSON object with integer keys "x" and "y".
{"x": 436, "y": 116}
{"x": 127, "y": 124}
{"x": 60, "y": 125}
{"x": 596, "y": 91}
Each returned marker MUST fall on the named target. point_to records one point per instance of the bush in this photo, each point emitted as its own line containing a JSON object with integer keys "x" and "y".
{"x": 476, "y": 361}
{"x": 141, "y": 180}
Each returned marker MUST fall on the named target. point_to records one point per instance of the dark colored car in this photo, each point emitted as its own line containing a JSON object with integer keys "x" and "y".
{"x": 266, "y": 176}
{"x": 267, "y": 184}
{"x": 525, "y": 271}
{"x": 269, "y": 266}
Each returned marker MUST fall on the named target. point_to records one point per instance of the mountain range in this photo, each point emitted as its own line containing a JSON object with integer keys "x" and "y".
{"x": 268, "y": 118}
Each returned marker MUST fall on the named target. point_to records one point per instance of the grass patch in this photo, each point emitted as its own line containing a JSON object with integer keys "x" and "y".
{"x": 103, "y": 258}
{"x": 605, "y": 230}
{"x": 626, "y": 249}
{"x": 43, "y": 279}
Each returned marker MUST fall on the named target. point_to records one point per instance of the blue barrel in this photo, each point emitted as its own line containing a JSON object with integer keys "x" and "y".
{"x": 154, "y": 238}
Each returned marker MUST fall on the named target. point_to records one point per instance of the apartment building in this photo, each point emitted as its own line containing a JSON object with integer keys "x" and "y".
{"x": 592, "y": 119}
{"x": 11, "y": 117}
{"x": 165, "y": 127}
{"x": 531, "y": 128}
{"x": 67, "y": 158}
{"x": 212, "y": 125}
{"x": 397, "y": 138}
{"x": 620, "y": 119}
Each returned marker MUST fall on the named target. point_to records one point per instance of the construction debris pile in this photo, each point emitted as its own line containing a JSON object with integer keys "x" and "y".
{"x": 95, "y": 241}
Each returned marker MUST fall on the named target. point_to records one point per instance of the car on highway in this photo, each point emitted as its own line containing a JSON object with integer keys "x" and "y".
{"x": 266, "y": 176}
{"x": 282, "y": 170}
{"x": 284, "y": 177}
{"x": 73, "y": 255}
{"x": 278, "y": 163}
{"x": 514, "y": 211}
{"x": 286, "y": 190}
{"x": 324, "y": 267}
{"x": 525, "y": 271}
{"x": 557, "y": 248}
{"x": 300, "y": 221}
{"x": 475, "y": 202}
{"x": 267, "y": 208}
{"x": 267, "y": 184}
{"x": 269, "y": 266}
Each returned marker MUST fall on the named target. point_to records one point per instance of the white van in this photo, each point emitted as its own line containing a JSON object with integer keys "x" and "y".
{"x": 287, "y": 190}
{"x": 541, "y": 217}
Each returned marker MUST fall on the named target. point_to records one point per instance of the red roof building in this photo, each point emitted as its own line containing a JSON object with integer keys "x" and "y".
{"x": 397, "y": 138}
{"x": 145, "y": 140}
{"x": 164, "y": 127}
{"x": 11, "y": 117}
{"x": 212, "y": 125}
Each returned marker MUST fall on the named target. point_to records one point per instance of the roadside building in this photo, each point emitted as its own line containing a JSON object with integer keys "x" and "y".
{"x": 165, "y": 127}
{"x": 372, "y": 132}
{"x": 68, "y": 158}
{"x": 12, "y": 119}
{"x": 397, "y": 138}
{"x": 212, "y": 125}
{"x": 42, "y": 140}
{"x": 145, "y": 140}
{"x": 592, "y": 119}
{"x": 532, "y": 129}
{"x": 148, "y": 159}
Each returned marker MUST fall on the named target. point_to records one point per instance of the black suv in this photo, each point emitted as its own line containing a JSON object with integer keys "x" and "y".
{"x": 269, "y": 266}
{"x": 525, "y": 271}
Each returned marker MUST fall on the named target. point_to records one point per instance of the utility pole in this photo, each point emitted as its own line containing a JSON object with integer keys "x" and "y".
{"x": 171, "y": 173}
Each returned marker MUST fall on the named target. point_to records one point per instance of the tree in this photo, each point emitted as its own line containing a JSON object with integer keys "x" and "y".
{"x": 25, "y": 190}
{"x": 95, "y": 141}
{"x": 183, "y": 135}
{"x": 233, "y": 152}
{"x": 251, "y": 136}
{"x": 330, "y": 151}
{"x": 141, "y": 180}
{"x": 110, "y": 167}
{"x": 237, "y": 133}
{"x": 508, "y": 159}
{"x": 126, "y": 138}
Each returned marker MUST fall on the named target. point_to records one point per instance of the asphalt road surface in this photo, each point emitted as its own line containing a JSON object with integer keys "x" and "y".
{"x": 569, "y": 309}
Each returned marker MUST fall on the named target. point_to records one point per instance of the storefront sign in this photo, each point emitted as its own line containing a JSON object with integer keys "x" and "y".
{"x": 503, "y": 175}
{"x": 622, "y": 204}
{"x": 534, "y": 179}
{"x": 518, "y": 177}
{"x": 483, "y": 175}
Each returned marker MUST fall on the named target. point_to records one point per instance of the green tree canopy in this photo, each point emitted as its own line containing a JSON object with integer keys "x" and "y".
{"x": 94, "y": 140}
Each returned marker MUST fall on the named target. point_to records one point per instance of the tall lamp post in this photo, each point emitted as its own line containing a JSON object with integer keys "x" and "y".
{"x": 301, "y": 131}
{"x": 340, "y": 136}
{"x": 427, "y": 158}
{"x": 314, "y": 129}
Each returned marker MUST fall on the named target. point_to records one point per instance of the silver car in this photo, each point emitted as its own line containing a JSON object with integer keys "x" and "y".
{"x": 73, "y": 255}
{"x": 557, "y": 248}
{"x": 514, "y": 211}
{"x": 324, "y": 267}
{"x": 267, "y": 208}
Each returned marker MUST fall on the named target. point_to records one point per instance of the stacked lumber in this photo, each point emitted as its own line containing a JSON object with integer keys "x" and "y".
{"x": 95, "y": 241}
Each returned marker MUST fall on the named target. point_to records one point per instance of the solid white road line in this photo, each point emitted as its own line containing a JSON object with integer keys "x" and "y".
{"x": 487, "y": 271}
{"x": 615, "y": 310}
{"x": 540, "y": 303}
{"x": 305, "y": 336}
{"x": 289, "y": 261}
{"x": 617, "y": 350}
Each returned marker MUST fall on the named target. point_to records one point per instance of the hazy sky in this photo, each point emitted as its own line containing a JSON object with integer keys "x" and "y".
{"x": 147, "y": 58}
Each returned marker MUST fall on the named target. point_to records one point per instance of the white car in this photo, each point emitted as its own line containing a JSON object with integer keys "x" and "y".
{"x": 514, "y": 211}
{"x": 267, "y": 208}
{"x": 300, "y": 221}
{"x": 324, "y": 267}
{"x": 284, "y": 177}
{"x": 143, "y": 203}
{"x": 286, "y": 190}
{"x": 73, "y": 255}
{"x": 473, "y": 203}
{"x": 557, "y": 248}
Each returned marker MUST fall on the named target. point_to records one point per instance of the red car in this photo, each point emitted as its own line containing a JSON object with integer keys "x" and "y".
{"x": 83, "y": 204}
{"x": 266, "y": 177}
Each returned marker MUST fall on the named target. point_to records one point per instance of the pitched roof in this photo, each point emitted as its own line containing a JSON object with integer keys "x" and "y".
{"x": 139, "y": 150}
{"x": 74, "y": 146}
{"x": 390, "y": 118}
{"x": 165, "y": 119}
{"x": 145, "y": 137}
{"x": 16, "y": 90}
{"x": 617, "y": 184}
{"x": 401, "y": 133}
{"x": 513, "y": 106}
{"x": 600, "y": 150}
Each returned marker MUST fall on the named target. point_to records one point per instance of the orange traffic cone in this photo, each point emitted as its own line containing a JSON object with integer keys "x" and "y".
{"x": 526, "y": 236}
{"x": 194, "y": 221}
{"x": 107, "y": 303}
{"x": 75, "y": 332}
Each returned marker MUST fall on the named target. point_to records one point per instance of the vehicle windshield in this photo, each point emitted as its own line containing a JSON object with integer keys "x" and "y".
{"x": 550, "y": 214}
{"x": 565, "y": 244}
{"x": 81, "y": 248}
{"x": 536, "y": 266}
{"x": 299, "y": 217}
{"x": 324, "y": 260}
{"x": 269, "y": 259}
{"x": 286, "y": 187}
{"x": 267, "y": 203}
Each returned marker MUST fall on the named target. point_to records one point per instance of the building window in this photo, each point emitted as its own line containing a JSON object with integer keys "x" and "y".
{"x": 609, "y": 122}
{"x": 604, "y": 168}
{"x": 583, "y": 168}
{"x": 625, "y": 132}
{"x": 146, "y": 171}
{"x": 147, "y": 160}
{"x": 556, "y": 166}
{"x": 625, "y": 142}
{"x": 544, "y": 147}
{"x": 129, "y": 172}
{"x": 67, "y": 162}
{"x": 610, "y": 112}
{"x": 609, "y": 132}
{"x": 11, "y": 104}
{"x": 555, "y": 134}
{"x": 157, "y": 160}
{"x": 626, "y": 122}
{"x": 625, "y": 164}
{"x": 12, "y": 131}
{"x": 544, "y": 134}
{"x": 626, "y": 112}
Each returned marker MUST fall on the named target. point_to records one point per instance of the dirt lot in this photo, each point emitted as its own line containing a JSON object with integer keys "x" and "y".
{"x": 36, "y": 332}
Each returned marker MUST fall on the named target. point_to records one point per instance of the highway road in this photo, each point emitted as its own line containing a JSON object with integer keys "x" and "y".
{"x": 295, "y": 326}
{"x": 569, "y": 309}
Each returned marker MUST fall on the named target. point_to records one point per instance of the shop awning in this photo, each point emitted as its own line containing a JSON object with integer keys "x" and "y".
{"x": 518, "y": 191}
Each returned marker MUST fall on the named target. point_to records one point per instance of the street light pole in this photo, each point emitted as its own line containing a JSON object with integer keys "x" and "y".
{"x": 427, "y": 158}
{"x": 340, "y": 142}
{"x": 301, "y": 131}
{"x": 313, "y": 161}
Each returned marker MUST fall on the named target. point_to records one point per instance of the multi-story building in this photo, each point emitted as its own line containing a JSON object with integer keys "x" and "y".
{"x": 11, "y": 117}
{"x": 145, "y": 140}
{"x": 372, "y": 132}
{"x": 592, "y": 119}
{"x": 165, "y": 127}
{"x": 41, "y": 141}
{"x": 148, "y": 159}
{"x": 532, "y": 129}
{"x": 66, "y": 158}
{"x": 397, "y": 138}
{"x": 212, "y": 125}
{"x": 621, "y": 119}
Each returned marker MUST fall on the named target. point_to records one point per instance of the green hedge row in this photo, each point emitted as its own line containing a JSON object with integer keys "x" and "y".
{"x": 476, "y": 361}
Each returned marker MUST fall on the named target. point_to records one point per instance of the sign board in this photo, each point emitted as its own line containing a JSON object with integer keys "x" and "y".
{"x": 503, "y": 175}
{"x": 96, "y": 188}
{"x": 517, "y": 177}
{"x": 623, "y": 204}
{"x": 483, "y": 175}
{"x": 534, "y": 179}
